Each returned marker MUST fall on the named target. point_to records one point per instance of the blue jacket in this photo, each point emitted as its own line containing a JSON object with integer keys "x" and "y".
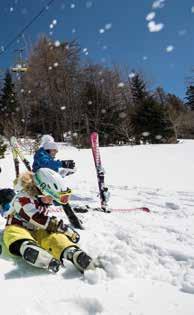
{"x": 43, "y": 159}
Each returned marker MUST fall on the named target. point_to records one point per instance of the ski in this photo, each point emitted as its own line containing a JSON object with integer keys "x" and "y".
{"x": 17, "y": 152}
{"x": 103, "y": 191}
{"x": 16, "y": 162}
{"x": 122, "y": 210}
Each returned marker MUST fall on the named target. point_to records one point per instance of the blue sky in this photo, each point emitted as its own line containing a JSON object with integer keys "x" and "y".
{"x": 111, "y": 32}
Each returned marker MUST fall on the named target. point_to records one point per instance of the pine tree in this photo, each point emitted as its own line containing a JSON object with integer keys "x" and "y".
{"x": 8, "y": 104}
{"x": 138, "y": 88}
{"x": 9, "y": 109}
{"x": 190, "y": 97}
{"x": 150, "y": 123}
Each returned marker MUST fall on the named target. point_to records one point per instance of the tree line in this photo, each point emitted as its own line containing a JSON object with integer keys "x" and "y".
{"x": 60, "y": 95}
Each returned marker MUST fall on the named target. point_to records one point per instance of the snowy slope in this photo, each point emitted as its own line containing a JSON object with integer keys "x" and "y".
{"x": 148, "y": 258}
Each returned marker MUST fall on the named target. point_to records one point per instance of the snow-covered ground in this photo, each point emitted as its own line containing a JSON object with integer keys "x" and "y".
{"x": 148, "y": 257}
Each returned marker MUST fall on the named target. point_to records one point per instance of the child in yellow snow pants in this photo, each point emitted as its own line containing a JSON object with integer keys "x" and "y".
{"x": 54, "y": 243}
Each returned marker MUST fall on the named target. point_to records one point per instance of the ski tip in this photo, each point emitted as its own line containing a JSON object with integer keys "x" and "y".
{"x": 146, "y": 209}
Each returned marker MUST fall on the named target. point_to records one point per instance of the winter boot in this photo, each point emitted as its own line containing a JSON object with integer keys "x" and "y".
{"x": 79, "y": 258}
{"x": 38, "y": 257}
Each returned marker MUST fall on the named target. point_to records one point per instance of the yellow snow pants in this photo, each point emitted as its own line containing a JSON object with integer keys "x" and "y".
{"x": 54, "y": 243}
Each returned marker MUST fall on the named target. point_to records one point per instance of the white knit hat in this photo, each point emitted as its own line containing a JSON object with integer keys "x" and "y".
{"x": 45, "y": 139}
{"x": 50, "y": 145}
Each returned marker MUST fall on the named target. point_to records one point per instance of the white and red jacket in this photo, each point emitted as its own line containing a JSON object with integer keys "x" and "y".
{"x": 28, "y": 212}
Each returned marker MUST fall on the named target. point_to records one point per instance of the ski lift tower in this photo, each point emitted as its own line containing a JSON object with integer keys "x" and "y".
{"x": 20, "y": 66}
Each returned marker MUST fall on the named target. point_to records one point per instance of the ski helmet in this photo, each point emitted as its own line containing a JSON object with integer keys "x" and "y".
{"x": 51, "y": 184}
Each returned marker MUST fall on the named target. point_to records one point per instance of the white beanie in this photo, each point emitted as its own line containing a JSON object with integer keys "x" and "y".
{"x": 50, "y": 145}
{"x": 45, "y": 139}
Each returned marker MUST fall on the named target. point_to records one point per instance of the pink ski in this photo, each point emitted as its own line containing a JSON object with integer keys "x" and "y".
{"x": 103, "y": 191}
{"x": 123, "y": 210}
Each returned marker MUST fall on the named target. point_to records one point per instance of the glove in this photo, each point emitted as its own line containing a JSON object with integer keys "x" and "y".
{"x": 52, "y": 225}
{"x": 55, "y": 226}
{"x": 68, "y": 164}
{"x": 66, "y": 171}
{"x": 68, "y": 231}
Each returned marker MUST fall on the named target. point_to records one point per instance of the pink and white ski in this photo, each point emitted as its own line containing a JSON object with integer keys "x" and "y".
{"x": 103, "y": 191}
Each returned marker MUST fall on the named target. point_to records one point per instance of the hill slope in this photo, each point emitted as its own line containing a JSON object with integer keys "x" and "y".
{"x": 148, "y": 258}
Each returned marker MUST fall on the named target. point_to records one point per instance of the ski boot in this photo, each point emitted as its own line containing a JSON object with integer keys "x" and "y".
{"x": 38, "y": 257}
{"x": 79, "y": 258}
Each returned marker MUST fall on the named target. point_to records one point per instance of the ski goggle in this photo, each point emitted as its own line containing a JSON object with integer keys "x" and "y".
{"x": 65, "y": 196}
{"x": 61, "y": 197}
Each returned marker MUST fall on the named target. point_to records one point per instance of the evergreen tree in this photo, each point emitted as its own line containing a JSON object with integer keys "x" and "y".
{"x": 190, "y": 97}
{"x": 8, "y": 104}
{"x": 9, "y": 108}
{"x": 138, "y": 88}
{"x": 150, "y": 123}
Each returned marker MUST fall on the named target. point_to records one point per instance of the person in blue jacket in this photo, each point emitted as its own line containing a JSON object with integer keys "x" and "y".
{"x": 45, "y": 158}
{"x": 6, "y": 196}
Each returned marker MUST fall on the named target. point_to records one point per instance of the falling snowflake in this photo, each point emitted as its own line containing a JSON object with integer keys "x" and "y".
{"x": 89, "y": 102}
{"x": 50, "y": 68}
{"x": 55, "y": 64}
{"x": 101, "y": 30}
{"x": 108, "y": 26}
{"x": 11, "y": 9}
{"x": 158, "y": 4}
{"x": 131, "y": 75}
{"x": 73, "y": 30}
{"x": 145, "y": 133}
{"x": 153, "y": 27}
{"x": 57, "y": 43}
{"x": 85, "y": 49}
{"x": 192, "y": 9}
{"x": 169, "y": 48}
{"x": 72, "y": 6}
{"x": 54, "y": 22}
{"x": 63, "y": 107}
{"x": 121, "y": 84}
{"x": 51, "y": 25}
{"x": 150, "y": 16}
{"x": 144, "y": 57}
